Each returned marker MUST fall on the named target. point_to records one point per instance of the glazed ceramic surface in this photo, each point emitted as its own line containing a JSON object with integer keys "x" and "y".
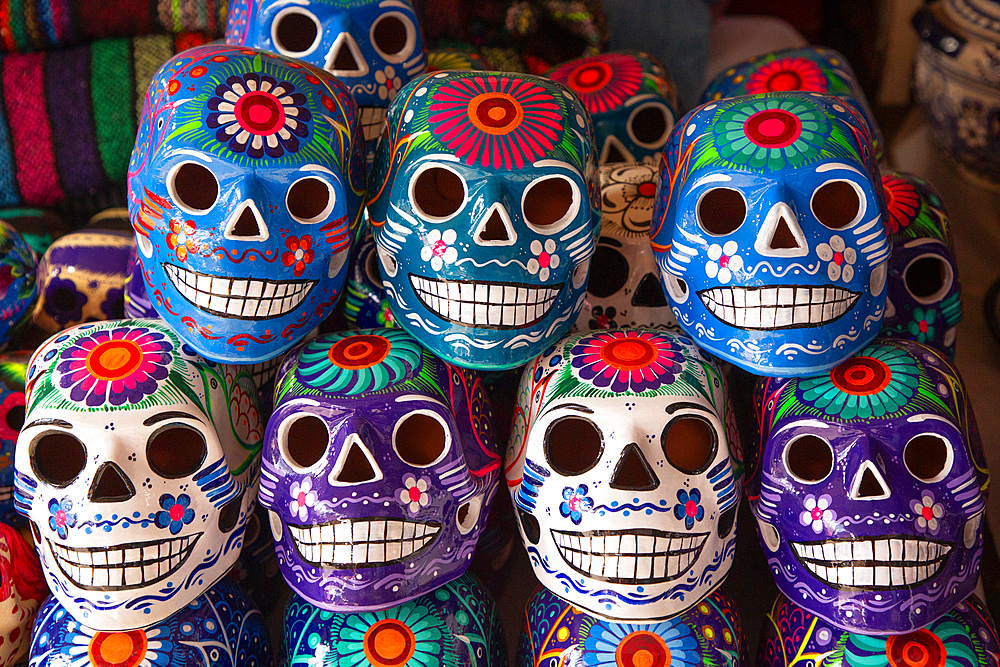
{"x": 366, "y": 305}
{"x": 870, "y": 491}
{"x": 631, "y": 99}
{"x": 137, "y": 467}
{"x": 964, "y": 637}
{"x": 219, "y": 628}
{"x": 439, "y": 60}
{"x": 556, "y": 633}
{"x": 624, "y": 472}
{"x": 768, "y": 231}
{"x": 137, "y": 303}
{"x": 13, "y": 367}
{"x": 485, "y": 211}
{"x": 923, "y": 297}
{"x": 18, "y": 287}
{"x": 380, "y": 466}
{"x": 245, "y": 186}
{"x": 22, "y": 589}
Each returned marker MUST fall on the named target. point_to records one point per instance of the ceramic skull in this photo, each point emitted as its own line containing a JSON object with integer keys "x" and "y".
{"x": 13, "y": 367}
{"x": 18, "y": 287}
{"x": 137, "y": 468}
{"x": 22, "y": 589}
{"x": 366, "y": 305}
{"x": 631, "y": 100}
{"x": 625, "y": 291}
{"x": 484, "y": 207}
{"x": 923, "y": 296}
{"x": 870, "y": 489}
{"x": 245, "y": 186}
{"x": 624, "y": 472}
{"x": 769, "y": 231}
{"x": 380, "y": 467}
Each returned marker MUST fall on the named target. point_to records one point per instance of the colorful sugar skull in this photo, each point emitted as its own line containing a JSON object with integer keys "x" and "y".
{"x": 621, "y": 474}
{"x": 366, "y": 305}
{"x": 870, "y": 490}
{"x": 38, "y": 227}
{"x": 13, "y": 367}
{"x": 923, "y": 297}
{"x": 769, "y": 232}
{"x": 82, "y": 278}
{"x": 17, "y": 281}
{"x": 137, "y": 467}
{"x": 22, "y": 590}
{"x": 631, "y": 99}
{"x": 485, "y": 214}
{"x": 440, "y": 60}
{"x": 245, "y": 184}
{"x": 625, "y": 289}
{"x": 219, "y": 628}
{"x": 709, "y": 633}
{"x": 811, "y": 69}
{"x": 374, "y": 47}
{"x": 380, "y": 467}
{"x": 964, "y": 637}
{"x": 137, "y": 303}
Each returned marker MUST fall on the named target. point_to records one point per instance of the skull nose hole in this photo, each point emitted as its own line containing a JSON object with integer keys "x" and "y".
{"x": 532, "y": 531}
{"x": 870, "y": 486}
{"x": 110, "y": 485}
{"x": 649, "y": 293}
{"x": 494, "y": 229}
{"x": 345, "y": 59}
{"x": 614, "y": 155}
{"x": 632, "y": 472}
{"x": 357, "y": 468}
{"x": 230, "y": 514}
{"x": 247, "y": 226}
{"x": 783, "y": 237}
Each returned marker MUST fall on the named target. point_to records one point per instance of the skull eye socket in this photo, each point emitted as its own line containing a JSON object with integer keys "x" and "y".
{"x": 304, "y": 441}
{"x": 809, "y": 459}
{"x": 371, "y": 269}
{"x": 15, "y": 418}
{"x": 837, "y": 204}
{"x": 614, "y": 270}
{"x": 437, "y": 193}
{"x": 295, "y": 32}
{"x": 650, "y": 125}
{"x": 310, "y": 200}
{"x": 550, "y": 203}
{"x": 928, "y": 278}
{"x": 573, "y": 445}
{"x": 928, "y": 457}
{"x": 193, "y": 187}
{"x": 176, "y": 451}
{"x": 393, "y": 36}
{"x": 721, "y": 211}
{"x": 57, "y": 458}
{"x": 690, "y": 444}
{"x": 420, "y": 439}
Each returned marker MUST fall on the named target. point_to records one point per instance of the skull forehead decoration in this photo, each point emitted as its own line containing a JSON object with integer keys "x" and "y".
{"x": 245, "y": 186}
{"x": 621, "y": 473}
{"x": 812, "y": 69}
{"x": 769, "y": 233}
{"x": 379, "y": 469}
{"x": 631, "y": 99}
{"x": 923, "y": 295}
{"x": 17, "y": 280}
{"x": 870, "y": 490}
{"x": 13, "y": 367}
{"x": 485, "y": 214}
{"x": 626, "y": 290}
{"x": 137, "y": 467}
{"x": 22, "y": 589}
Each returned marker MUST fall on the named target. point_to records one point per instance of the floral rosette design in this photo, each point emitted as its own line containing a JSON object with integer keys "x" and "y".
{"x": 902, "y": 200}
{"x": 575, "y": 503}
{"x": 817, "y": 512}
{"x": 688, "y": 507}
{"x": 423, "y": 634}
{"x": 922, "y": 325}
{"x": 354, "y": 363}
{"x": 841, "y": 259}
{"x": 943, "y": 643}
{"x": 303, "y": 498}
{"x": 928, "y": 512}
{"x": 61, "y": 516}
{"x": 439, "y": 249}
{"x": 175, "y": 513}
{"x": 180, "y": 238}
{"x": 258, "y": 115}
{"x": 414, "y": 494}
{"x": 628, "y": 195}
{"x": 625, "y": 360}
{"x": 300, "y": 253}
{"x": 603, "y": 82}
{"x": 670, "y": 642}
{"x": 787, "y": 74}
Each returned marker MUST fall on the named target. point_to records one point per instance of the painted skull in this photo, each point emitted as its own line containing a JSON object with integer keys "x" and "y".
{"x": 379, "y": 470}
{"x": 769, "y": 232}
{"x": 366, "y": 305}
{"x": 631, "y": 99}
{"x": 373, "y": 46}
{"x": 811, "y": 69}
{"x": 22, "y": 589}
{"x": 870, "y": 490}
{"x": 137, "y": 467}
{"x": 625, "y": 289}
{"x": 923, "y": 296}
{"x": 137, "y": 303}
{"x": 621, "y": 474}
{"x": 17, "y": 281}
{"x": 485, "y": 214}
{"x": 245, "y": 185}
{"x": 13, "y": 367}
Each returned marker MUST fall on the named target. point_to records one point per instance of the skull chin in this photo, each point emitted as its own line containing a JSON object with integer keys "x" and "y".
{"x": 635, "y": 556}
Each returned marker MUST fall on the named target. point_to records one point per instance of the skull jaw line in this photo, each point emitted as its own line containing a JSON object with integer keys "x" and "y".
{"x": 686, "y": 556}
{"x": 897, "y": 572}
{"x": 326, "y": 546}
{"x": 227, "y": 302}
{"x": 481, "y": 304}
{"x": 185, "y": 546}
{"x": 748, "y": 311}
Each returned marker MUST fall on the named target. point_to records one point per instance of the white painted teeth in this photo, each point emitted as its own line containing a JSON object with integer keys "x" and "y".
{"x": 486, "y": 305}
{"x": 124, "y": 566}
{"x": 372, "y": 119}
{"x": 884, "y": 563}
{"x": 646, "y": 557}
{"x": 239, "y": 298}
{"x": 361, "y": 542}
{"x": 768, "y": 308}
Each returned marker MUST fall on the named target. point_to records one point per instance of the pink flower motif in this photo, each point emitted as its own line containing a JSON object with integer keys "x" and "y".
{"x": 303, "y": 497}
{"x": 603, "y": 82}
{"x": 723, "y": 260}
{"x": 414, "y": 493}
{"x": 928, "y": 512}
{"x": 544, "y": 259}
{"x": 817, "y": 512}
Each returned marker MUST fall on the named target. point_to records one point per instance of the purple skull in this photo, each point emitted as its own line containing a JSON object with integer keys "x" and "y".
{"x": 870, "y": 489}
{"x": 380, "y": 467}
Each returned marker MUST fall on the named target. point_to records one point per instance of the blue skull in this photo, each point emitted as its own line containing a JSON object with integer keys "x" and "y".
{"x": 769, "y": 233}
{"x": 245, "y": 186}
{"x": 485, "y": 211}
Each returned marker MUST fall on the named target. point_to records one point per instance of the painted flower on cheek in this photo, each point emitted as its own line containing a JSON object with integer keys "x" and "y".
{"x": 723, "y": 260}
{"x": 575, "y": 503}
{"x": 922, "y": 326}
{"x": 817, "y": 512}
{"x": 176, "y": 512}
{"x": 61, "y": 517}
{"x": 180, "y": 238}
{"x": 439, "y": 249}
{"x": 414, "y": 493}
{"x": 388, "y": 83}
{"x": 303, "y": 497}
{"x": 928, "y": 512}
{"x": 544, "y": 259}
{"x": 688, "y": 507}
{"x": 300, "y": 253}
{"x": 841, "y": 259}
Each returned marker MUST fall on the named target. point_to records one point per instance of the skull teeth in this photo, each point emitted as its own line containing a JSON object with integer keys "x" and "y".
{"x": 769, "y": 308}
{"x": 486, "y": 305}
{"x": 372, "y": 119}
{"x": 375, "y": 541}
{"x": 873, "y": 564}
{"x": 125, "y": 566}
{"x": 641, "y": 556}
{"x": 240, "y": 298}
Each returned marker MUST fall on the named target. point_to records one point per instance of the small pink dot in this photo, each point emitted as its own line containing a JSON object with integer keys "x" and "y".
{"x": 414, "y": 494}
{"x": 724, "y": 261}
{"x": 816, "y": 514}
{"x": 544, "y": 259}
{"x": 301, "y": 498}
{"x": 691, "y": 508}
{"x": 838, "y": 258}
{"x": 439, "y": 248}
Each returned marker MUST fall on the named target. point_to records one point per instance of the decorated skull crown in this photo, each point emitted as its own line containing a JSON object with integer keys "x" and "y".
{"x": 137, "y": 467}
{"x": 245, "y": 187}
{"x": 769, "y": 231}
{"x": 625, "y": 472}
{"x": 485, "y": 211}
{"x": 379, "y": 469}
{"x": 870, "y": 489}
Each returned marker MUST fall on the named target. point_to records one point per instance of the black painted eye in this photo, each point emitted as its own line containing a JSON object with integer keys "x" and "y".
{"x": 836, "y": 204}
{"x": 420, "y": 439}
{"x": 305, "y": 441}
{"x": 176, "y": 451}
{"x": 193, "y": 186}
{"x": 689, "y": 443}
{"x": 57, "y": 458}
{"x": 721, "y": 211}
{"x": 295, "y": 32}
{"x": 809, "y": 458}
{"x": 573, "y": 445}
